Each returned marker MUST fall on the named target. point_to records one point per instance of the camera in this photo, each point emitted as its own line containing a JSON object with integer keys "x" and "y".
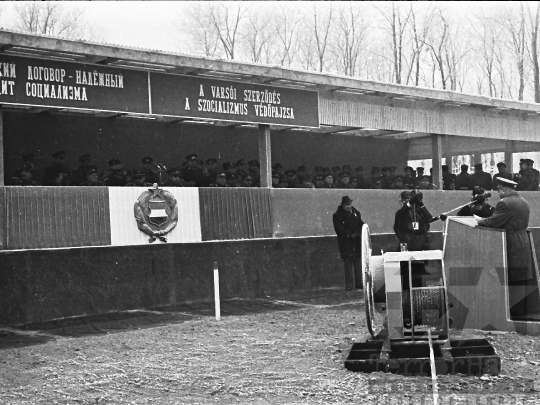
{"x": 416, "y": 196}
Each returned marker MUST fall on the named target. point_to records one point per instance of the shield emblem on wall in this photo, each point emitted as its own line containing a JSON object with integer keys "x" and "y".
{"x": 156, "y": 213}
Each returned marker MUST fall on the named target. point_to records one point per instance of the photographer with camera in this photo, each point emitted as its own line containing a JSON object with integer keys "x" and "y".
{"x": 411, "y": 225}
{"x": 412, "y": 221}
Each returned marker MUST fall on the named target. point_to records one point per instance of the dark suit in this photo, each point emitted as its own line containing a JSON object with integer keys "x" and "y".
{"x": 482, "y": 180}
{"x": 512, "y": 214}
{"x": 348, "y": 227}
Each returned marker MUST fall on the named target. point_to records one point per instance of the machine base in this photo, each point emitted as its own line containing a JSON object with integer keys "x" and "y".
{"x": 411, "y": 357}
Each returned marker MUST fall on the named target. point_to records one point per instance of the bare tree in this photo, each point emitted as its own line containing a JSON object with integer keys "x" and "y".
{"x": 197, "y": 23}
{"x": 488, "y": 35}
{"x": 49, "y": 18}
{"x": 351, "y": 30}
{"x": 286, "y": 25}
{"x": 226, "y": 19}
{"x": 397, "y": 19}
{"x": 534, "y": 23}
{"x": 514, "y": 24}
{"x": 448, "y": 50}
{"x": 321, "y": 23}
{"x": 420, "y": 31}
{"x": 257, "y": 36}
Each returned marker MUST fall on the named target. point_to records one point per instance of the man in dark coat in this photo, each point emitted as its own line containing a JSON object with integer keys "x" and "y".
{"x": 512, "y": 214}
{"x": 51, "y": 173}
{"x": 528, "y": 178}
{"x": 412, "y": 221}
{"x": 503, "y": 172}
{"x": 480, "y": 178}
{"x": 463, "y": 180}
{"x": 348, "y": 226}
{"x": 191, "y": 174}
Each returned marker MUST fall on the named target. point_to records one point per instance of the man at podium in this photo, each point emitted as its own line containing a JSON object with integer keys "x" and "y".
{"x": 512, "y": 214}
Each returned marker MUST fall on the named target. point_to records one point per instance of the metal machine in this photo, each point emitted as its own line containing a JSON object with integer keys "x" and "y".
{"x": 417, "y": 309}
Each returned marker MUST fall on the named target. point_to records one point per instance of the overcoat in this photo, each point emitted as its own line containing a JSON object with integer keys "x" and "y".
{"x": 512, "y": 214}
{"x": 348, "y": 227}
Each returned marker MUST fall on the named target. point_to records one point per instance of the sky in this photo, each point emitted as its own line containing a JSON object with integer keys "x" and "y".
{"x": 151, "y": 24}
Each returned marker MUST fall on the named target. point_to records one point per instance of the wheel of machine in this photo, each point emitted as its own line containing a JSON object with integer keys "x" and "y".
{"x": 368, "y": 280}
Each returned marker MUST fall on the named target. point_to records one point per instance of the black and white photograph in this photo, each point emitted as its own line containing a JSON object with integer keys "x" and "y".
{"x": 269, "y": 202}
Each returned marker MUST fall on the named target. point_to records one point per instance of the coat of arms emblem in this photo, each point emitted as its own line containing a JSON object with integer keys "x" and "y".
{"x": 156, "y": 213}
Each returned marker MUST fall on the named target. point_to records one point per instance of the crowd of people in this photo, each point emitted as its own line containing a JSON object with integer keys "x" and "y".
{"x": 196, "y": 172}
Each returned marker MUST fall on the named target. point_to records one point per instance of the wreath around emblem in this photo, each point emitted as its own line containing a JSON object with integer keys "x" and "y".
{"x": 142, "y": 211}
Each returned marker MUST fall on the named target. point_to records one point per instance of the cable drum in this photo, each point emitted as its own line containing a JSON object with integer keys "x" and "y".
{"x": 428, "y": 306}
{"x": 368, "y": 280}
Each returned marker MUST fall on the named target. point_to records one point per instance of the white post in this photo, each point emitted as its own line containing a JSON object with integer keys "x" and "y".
{"x": 216, "y": 292}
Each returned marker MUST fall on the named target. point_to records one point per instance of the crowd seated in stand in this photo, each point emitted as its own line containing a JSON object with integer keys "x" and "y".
{"x": 196, "y": 172}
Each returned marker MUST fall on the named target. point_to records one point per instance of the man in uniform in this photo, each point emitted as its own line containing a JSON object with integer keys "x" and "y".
{"x": 254, "y": 168}
{"x": 241, "y": 167}
{"x": 139, "y": 179}
{"x": 343, "y": 181}
{"x": 247, "y": 180}
{"x": 363, "y": 183}
{"x": 92, "y": 179}
{"x": 319, "y": 181}
{"x": 79, "y": 174}
{"x": 28, "y": 162}
{"x": 463, "y": 179}
{"x": 150, "y": 174}
{"x": 375, "y": 175}
{"x": 385, "y": 177}
{"x": 480, "y": 178}
{"x": 211, "y": 171}
{"x": 409, "y": 180}
{"x": 233, "y": 180}
{"x": 221, "y": 180}
{"x": 292, "y": 178}
{"x": 423, "y": 183}
{"x": 419, "y": 173}
{"x": 174, "y": 178}
{"x": 397, "y": 183}
{"x": 503, "y": 172}
{"x": 25, "y": 176}
{"x": 191, "y": 174}
{"x": 447, "y": 177}
{"x": 50, "y": 174}
{"x": 117, "y": 177}
{"x": 348, "y": 226}
{"x": 275, "y": 180}
{"x": 528, "y": 177}
{"x": 512, "y": 214}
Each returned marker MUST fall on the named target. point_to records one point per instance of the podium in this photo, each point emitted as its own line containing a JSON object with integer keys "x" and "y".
{"x": 477, "y": 278}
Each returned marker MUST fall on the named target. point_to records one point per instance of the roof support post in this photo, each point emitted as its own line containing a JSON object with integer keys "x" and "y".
{"x": 265, "y": 154}
{"x": 436, "y": 152}
{"x": 508, "y": 156}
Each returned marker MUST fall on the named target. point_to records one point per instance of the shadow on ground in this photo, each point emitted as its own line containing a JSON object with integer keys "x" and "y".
{"x": 117, "y": 322}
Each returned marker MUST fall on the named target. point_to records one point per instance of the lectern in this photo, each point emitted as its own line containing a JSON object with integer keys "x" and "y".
{"x": 477, "y": 279}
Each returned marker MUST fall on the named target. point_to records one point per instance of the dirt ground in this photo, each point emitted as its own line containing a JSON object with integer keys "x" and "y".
{"x": 290, "y": 352}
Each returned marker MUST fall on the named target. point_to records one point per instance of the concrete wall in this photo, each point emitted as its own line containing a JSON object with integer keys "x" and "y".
{"x": 39, "y": 285}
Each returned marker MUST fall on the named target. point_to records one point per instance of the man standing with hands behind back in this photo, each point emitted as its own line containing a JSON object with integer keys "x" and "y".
{"x": 348, "y": 226}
